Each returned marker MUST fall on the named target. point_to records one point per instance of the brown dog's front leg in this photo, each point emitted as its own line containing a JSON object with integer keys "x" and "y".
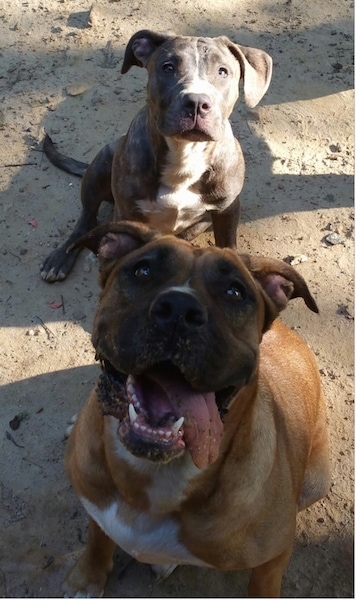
{"x": 266, "y": 580}
{"x": 88, "y": 576}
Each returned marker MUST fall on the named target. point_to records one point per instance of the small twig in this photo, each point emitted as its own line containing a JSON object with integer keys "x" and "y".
{"x": 15, "y": 255}
{"x": 9, "y": 437}
{"x": 48, "y": 563}
{"x": 32, "y": 463}
{"x": 19, "y": 165}
{"x": 47, "y": 330}
{"x": 63, "y": 307}
{"x": 89, "y": 150}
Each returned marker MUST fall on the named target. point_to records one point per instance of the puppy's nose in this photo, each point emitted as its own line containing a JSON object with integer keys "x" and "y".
{"x": 197, "y": 104}
{"x": 175, "y": 308}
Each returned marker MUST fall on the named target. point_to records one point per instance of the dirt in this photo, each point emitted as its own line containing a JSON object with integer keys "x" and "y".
{"x": 60, "y": 72}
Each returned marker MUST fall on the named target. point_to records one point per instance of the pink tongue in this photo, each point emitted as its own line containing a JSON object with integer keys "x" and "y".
{"x": 202, "y": 427}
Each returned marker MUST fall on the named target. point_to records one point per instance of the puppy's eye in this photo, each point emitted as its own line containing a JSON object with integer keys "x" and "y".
{"x": 236, "y": 291}
{"x": 168, "y": 67}
{"x": 142, "y": 270}
{"x": 223, "y": 72}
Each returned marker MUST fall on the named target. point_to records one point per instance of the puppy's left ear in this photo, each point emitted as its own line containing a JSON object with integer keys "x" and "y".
{"x": 140, "y": 48}
{"x": 256, "y": 71}
{"x": 279, "y": 283}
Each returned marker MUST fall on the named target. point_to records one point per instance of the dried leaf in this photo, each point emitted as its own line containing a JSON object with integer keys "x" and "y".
{"x": 55, "y": 304}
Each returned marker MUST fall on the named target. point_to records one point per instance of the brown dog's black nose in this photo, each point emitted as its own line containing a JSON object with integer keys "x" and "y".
{"x": 175, "y": 308}
{"x": 197, "y": 104}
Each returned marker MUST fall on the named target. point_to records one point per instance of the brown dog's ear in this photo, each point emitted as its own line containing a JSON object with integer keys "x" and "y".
{"x": 280, "y": 282}
{"x": 140, "y": 48}
{"x": 256, "y": 71}
{"x": 112, "y": 241}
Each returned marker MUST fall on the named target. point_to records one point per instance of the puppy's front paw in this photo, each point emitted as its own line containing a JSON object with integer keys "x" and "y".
{"x": 58, "y": 264}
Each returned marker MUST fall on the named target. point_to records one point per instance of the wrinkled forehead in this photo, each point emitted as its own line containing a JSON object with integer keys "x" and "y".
{"x": 198, "y": 52}
{"x": 183, "y": 260}
{"x": 222, "y": 262}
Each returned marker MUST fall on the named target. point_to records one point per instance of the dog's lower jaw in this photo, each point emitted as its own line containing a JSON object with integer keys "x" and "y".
{"x": 153, "y": 449}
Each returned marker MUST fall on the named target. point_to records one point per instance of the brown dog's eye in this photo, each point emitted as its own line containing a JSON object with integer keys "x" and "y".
{"x": 142, "y": 271}
{"x": 236, "y": 291}
{"x": 168, "y": 67}
{"x": 223, "y": 72}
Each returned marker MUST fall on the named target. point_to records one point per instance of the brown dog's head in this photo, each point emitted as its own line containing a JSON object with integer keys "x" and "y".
{"x": 177, "y": 331}
{"x": 194, "y": 81}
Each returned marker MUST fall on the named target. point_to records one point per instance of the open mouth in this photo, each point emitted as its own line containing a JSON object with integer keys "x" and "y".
{"x": 161, "y": 415}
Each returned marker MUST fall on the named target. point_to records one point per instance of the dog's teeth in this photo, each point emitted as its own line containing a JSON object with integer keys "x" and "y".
{"x": 178, "y": 424}
{"x": 132, "y": 413}
{"x": 131, "y": 391}
{"x": 130, "y": 386}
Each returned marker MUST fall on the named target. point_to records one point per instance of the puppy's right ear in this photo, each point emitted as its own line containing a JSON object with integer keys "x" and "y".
{"x": 112, "y": 241}
{"x": 141, "y": 47}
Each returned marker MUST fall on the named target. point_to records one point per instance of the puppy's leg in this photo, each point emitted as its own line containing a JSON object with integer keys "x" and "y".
{"x": 96, "y": 188}
{"x": 225, "y": 225}
{"x": 88, "y": 576}
{"x": 266, "y": 580}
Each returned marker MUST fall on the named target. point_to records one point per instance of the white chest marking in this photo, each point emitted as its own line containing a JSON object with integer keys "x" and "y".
{"x": 147, "y": 539}
{"x": 177, "y": 205}
{"x": 173, "y": 210}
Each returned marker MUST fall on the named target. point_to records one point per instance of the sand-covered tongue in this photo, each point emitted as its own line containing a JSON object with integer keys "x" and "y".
{"x": 202, "y": 427}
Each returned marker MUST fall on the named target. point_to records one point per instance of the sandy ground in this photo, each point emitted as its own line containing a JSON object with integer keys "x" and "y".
{"x": 60, "y": 71}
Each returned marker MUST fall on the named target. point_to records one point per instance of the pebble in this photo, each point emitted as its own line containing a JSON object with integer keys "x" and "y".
{"x": 76, "y": 89}
{"x": 94, "y": 15}
{"x": 32, "y": 332}
{"x": 334, "y": 238}
{"x": 297, "y": 259}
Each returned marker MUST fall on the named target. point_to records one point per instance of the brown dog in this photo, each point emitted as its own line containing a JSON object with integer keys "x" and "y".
{"x": 179, "y": 167}
{"x": 203, "y": 439}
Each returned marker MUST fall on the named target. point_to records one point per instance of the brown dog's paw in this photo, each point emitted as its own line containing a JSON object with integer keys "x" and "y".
{"x": 161, "y": 572}
{"x": 91, "y": 592}
{"x": 70, "y": 426}
{"x": 81, "y": 583}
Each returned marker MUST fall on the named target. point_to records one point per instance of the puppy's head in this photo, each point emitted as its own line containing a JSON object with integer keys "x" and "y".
{"x": 177, "y": 331}
{"x": 194, "y": 81}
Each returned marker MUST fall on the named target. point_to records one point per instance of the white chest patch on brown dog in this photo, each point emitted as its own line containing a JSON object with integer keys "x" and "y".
{"x": 147, "y": 539}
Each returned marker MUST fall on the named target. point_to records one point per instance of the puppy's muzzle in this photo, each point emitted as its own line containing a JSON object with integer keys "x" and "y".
{"x": 196, "y": 105}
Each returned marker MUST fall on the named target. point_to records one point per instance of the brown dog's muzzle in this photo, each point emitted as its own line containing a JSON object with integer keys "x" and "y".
{"x": 161, "y": 413}
{"x": 176, "y": 309}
